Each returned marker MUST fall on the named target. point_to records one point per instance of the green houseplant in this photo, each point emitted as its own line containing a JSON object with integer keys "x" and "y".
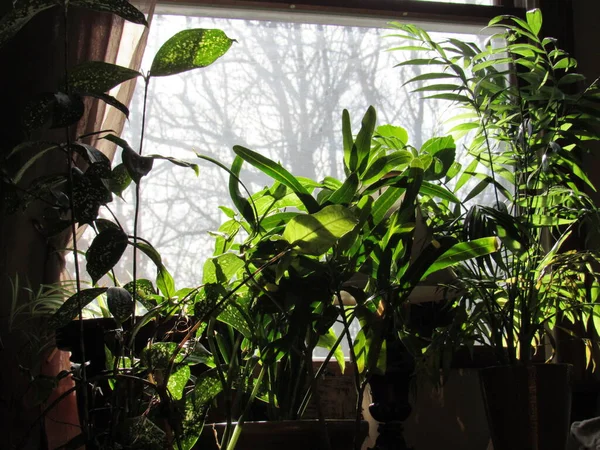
{"x": 143, "y": 395}
{"x": 529, "y": 117}
{"x": 309, "y": 247}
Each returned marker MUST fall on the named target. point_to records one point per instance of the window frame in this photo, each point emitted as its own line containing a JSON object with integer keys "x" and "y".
{"x": 413, "y": 10}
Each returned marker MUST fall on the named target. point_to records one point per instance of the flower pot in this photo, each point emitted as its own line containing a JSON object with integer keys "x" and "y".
{"x": 288, "y": 435}
{"x": 528, "y": 407}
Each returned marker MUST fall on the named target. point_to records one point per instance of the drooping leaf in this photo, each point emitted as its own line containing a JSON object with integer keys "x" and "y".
{"x": 121, "y": 8}
{"x": 120, "y": 303}
{"x": 21, "y": 12}
{"x": 278, "y": 173}
{"x": 112, "y": 101}
{"x": 98, "y": 77}
{"x": 104, "y": 252}
{"x": 137, "y": 166}
{"x": 189, "y": 49}
{"x": 316, "y": 233}
{"x": 464, "y": 251}
{"x": 99, "y": 164}
{"x": 119, "y": 180}
{"x": 70, "y": 308}
{"x": 178, "y": 162}
{"x": 164, "y": 280}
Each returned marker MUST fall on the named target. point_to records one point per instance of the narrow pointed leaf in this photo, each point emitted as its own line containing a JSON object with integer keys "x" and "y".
{"x": 278, "y": 173}
{"x": 70, "y": 308}
{"x": 121, "y": 8}
{"x": 98, "y": 77}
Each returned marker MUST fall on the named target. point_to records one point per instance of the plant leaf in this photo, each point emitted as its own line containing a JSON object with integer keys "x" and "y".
{"x": 327, "y": 341}
{"x": 21, "y": 13}
{"x": 121, "y": 8}
{"x": 177, "y": 381}
{"x": 70, "y": 308}
{"x": 189, "y": 49}
{"x": 104, "y": 252}
{"x": 314, "y": 234}
{"x": 278, "y": 173}
{"x": 98, "y": 77}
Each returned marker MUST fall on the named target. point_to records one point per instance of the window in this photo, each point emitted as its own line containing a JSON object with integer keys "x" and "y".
{"x": 280, "y": 90}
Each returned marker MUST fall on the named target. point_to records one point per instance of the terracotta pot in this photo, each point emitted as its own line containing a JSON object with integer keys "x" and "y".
{"x": 528, "y": 407}
{"x": 288, "y": 435}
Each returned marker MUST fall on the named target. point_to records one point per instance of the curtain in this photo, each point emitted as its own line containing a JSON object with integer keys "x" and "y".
{"x": 33, "y": 62}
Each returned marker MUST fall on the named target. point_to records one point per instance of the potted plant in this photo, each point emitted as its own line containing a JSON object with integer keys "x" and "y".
{"x": 315, "y": 253}
{"x": 134, "y": 384}
{"x": 529, "y": 118}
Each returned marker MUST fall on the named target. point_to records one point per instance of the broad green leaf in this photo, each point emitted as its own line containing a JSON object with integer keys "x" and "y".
{"x": 314, "y": 234}
{"x": 464, "y": 251}
{"x": 278, "y": 173}
{"x": 145, "y": 292}
{"x": 98, "y": 77}
{"x": 177, "y": 381}
{"x": 52, "y": 110}
{"x": 119, "y": 180}
{"x": 222, "y": 268}
{"x": 534, "y": 20}
{"x": 158, "y": 355}
{"x": 189, "y": 49}
{"x": 104, "y": 252}
{"x": 443, "y": 151}
{"x": 70, "y": 308}
{"x": 121, "y": 8}
{"x": 120, "y": 303}
{"x": 327, "y": 341}
{"x": 392, "y": 132}
{"x": 384, "y": 203}
{"x": 233, "y": 315}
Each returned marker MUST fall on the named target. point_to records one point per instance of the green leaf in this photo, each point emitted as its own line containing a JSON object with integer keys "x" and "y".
{"x": 137, "y": 166}
{"x": 164, "y": 280}
{"x": 233, "y": 315}
{"x": 178, "y": 162}
{"x": 443, "y": 151}
{"x": 145, "y": 292}
{"x": 396, "y": 161}
{"x": 70, "y": 308}
{"x": 112, "y": 101}
{"x": 392, "y": 132}
{"x": 436, "y": 191}
{"x": 98, "y": 77}
{"x": 364, "y": 137}
{"x": 346, "y": 192}
{"x": 314, "y": 234}
{"x": 177, "y": 381}
{"x": 327, "y": 341}
{"x": 534, "y": 20}
{"x": 222, "y": 268}
{"x": 120, "y": 303}
{"x": 121, "y": 8}
{"x": 197, "y": 403}
{"x": 189, "y": 49}
{"x": 464, "y": 251}
{"x": 350, "y": 160}
{"x": 278, "y": 173}
{"x": 158, "y": 355}
{"x": 119, "y": 180}
{"x": 104, "y": 252}
{"x": 19, "y": 14}
{"x": 384, "y": 202}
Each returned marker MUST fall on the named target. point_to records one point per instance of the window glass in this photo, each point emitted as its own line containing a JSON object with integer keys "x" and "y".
{"x": 280, "y": 90}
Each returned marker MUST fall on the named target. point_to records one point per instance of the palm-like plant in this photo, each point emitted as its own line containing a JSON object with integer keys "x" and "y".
{"x": 527, "y": 121}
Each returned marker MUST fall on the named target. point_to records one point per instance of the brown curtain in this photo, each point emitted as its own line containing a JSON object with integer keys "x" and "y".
{"x": 33, "y": 62}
